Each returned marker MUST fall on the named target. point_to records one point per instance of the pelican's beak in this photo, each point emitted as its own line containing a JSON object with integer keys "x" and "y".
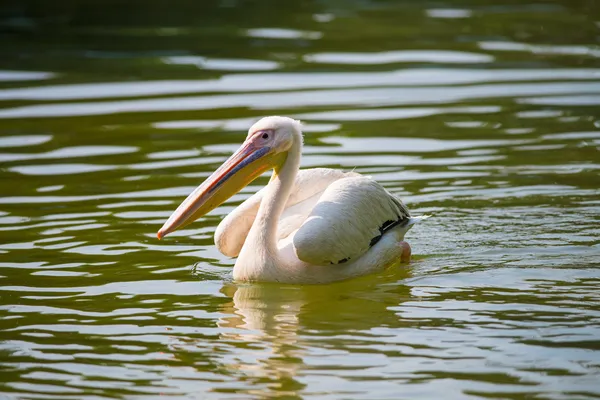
{"x": 245, "y": 165}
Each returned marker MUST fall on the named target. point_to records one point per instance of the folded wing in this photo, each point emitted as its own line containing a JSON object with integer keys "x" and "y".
{"x": 349, "y": 217}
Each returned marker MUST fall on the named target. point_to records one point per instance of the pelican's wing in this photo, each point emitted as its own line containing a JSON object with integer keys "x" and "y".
{"x": 350, "y": 216}
{"x": 308, "y": 188}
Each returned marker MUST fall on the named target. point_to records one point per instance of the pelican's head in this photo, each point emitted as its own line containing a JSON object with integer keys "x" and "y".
{"x": 266, "y": 147}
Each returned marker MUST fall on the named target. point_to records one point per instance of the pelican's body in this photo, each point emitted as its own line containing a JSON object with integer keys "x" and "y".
{"x": 311, "y": 226}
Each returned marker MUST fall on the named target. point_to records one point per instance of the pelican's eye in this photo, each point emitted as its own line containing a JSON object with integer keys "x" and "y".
{"x": 263, "y": 134}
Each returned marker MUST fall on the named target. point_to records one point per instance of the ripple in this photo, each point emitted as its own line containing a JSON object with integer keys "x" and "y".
{"x": 24, "y": 140}
{"x": 279, "y": 33}
{"x": 539, "y": 114}
{"x": 388, "y": 57}
{"x": 60, "y": 169}
{"x": 405, "y": 145}
{"x": 131, "y": 288}
{"x": 291, "y": 81}
{"x": 589, "y": 100}
{"x": 451, "y": 13}
{"x": 239, "y": 124}
{"x": 572, "y": 135}
{"x": 222, "y": 64}
{"x": 69, "y": 152}
{"x": 356, "y": 97}
{"x": 51, "y": 188}
{"x": 392, "y": 114}
{"x": 174, "y": 154}
{"x": 541, "y": 49}
{"x": 11, "y": 76}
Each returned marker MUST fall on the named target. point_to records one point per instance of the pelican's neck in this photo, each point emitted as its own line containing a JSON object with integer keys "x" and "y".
{"x": 262, "y": 238}
{"x": 274, "y": 200}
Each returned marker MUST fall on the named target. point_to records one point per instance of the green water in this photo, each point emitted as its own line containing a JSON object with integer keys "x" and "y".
{"x": 485, "y": 114}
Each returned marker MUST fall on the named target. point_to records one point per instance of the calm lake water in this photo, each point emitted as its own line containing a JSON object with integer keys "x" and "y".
{"x": 484, "y": 114}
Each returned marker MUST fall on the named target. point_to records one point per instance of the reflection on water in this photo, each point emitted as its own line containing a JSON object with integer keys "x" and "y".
{"x": 485, "y": 116}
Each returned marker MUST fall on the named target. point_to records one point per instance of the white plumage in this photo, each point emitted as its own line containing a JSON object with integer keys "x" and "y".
{"x": 310, "y": 226}
{"x": 331, "y": 217}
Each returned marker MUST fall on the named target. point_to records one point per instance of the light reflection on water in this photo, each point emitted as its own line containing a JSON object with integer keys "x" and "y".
{"x": 494, "y": 136}
{"x": 320, "y": 98}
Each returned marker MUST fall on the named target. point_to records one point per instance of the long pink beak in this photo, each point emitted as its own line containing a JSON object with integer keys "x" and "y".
{"x": 245, "y": 165}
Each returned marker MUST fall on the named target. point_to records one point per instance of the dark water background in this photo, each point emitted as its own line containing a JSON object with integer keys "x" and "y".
{"x": 485, "y": 114}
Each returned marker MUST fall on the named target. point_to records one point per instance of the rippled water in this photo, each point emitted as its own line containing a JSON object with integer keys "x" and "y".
{"x": 486, "y": 116}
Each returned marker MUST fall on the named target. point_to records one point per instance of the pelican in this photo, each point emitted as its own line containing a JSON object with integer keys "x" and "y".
{"x": 306, "y": 226}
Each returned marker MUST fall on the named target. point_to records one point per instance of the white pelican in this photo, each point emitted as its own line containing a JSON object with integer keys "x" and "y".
{"x": 311, "y": 226}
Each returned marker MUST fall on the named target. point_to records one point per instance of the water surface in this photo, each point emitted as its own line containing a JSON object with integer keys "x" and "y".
{"x": 485, "y": 115}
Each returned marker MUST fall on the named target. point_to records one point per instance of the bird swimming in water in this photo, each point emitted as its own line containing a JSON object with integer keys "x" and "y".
{"x": 316, "y": 225}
